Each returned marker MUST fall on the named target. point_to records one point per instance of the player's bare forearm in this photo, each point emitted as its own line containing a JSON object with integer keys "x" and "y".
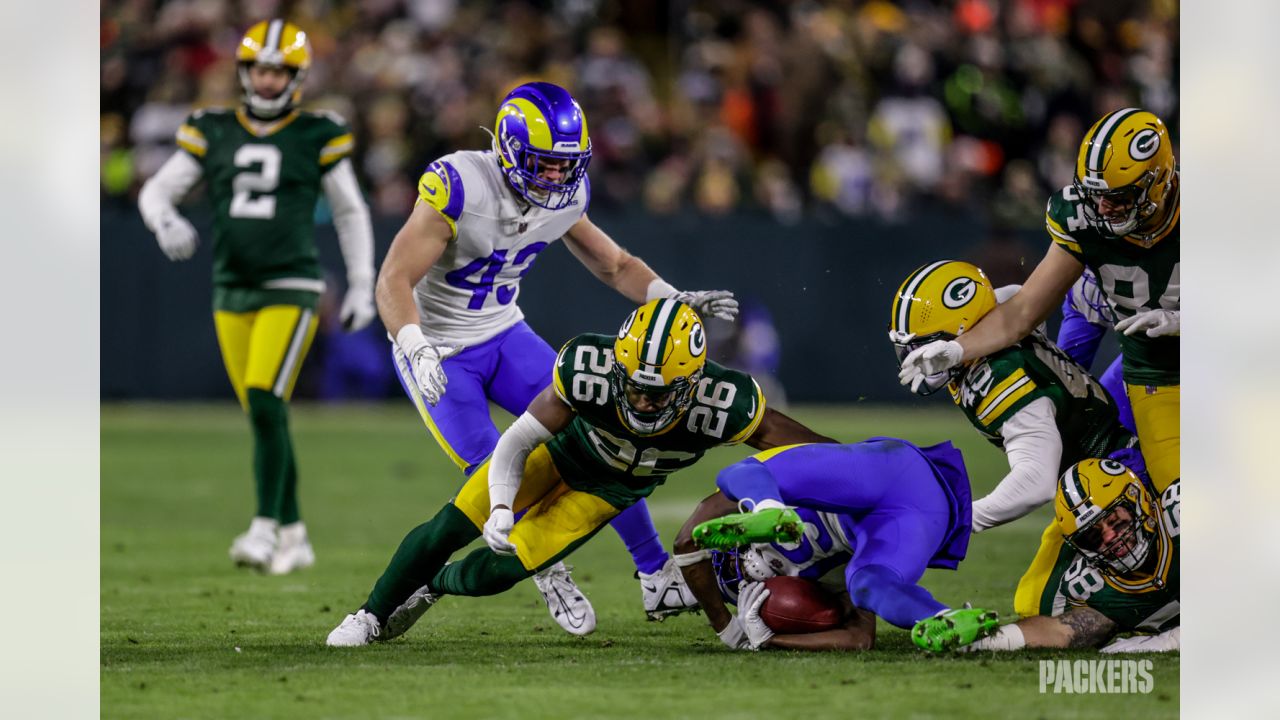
{"x": 858, "y": 633}
{"x": 417, "y": 247}
{"x": 1013, "y": 320}
{"x": 700, "y": 577}
{"x": 608, "y": 261}
{"x": 549, "y": 410}
{"x": 776, "y": 430}
{"x": 1076, "y": 628}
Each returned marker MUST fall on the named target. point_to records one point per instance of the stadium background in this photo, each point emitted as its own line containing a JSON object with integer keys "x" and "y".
{"x": 805, "y": 155}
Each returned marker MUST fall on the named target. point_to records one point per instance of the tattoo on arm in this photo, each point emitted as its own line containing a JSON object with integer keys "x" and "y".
{"x": 1088, "y": 627}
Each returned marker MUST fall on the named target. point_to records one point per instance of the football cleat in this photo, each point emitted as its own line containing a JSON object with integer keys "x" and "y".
{"x": 293, "y": 550}
{"x": 665, "y": 593}
{"x": 255, "y": 547}
{"x": 741, "y": 529}
{"x": 403, "y": 617}
{"x": 358, "y": 628}
{"x": 954, "y": 628}
{"x": 568, "y": 606}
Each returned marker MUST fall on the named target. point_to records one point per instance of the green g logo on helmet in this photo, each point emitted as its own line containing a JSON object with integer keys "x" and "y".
{"x": 959, "y": 292}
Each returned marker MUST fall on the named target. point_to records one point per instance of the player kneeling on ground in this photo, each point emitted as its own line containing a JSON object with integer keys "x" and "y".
{"x": 1125, "y": 578}
{"x": 621, "y": 415}
{"x": 869, "y": 517}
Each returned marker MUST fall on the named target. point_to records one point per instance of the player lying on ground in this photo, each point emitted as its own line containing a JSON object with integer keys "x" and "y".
{"x": 877, "y": 513}
{"x": 449, "y": 289}
{"x": 1029, "y": 399}
{"x": 624, "y": 412}
{"x": 264, "y": 164}
{"x": 1124, "y": 579}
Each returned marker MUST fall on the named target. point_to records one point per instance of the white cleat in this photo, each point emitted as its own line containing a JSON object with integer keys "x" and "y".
{"x": 403, "y": 617}
{"x": 293, "y": 550}
{"x": 569, "y": 607}
{"x": 358, "y": 628}
{"x": 255, "y": 547}
{"x": 665, "y": 593}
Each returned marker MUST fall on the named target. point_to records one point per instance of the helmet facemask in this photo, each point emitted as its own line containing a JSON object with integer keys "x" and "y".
{"x": 1131, "y": 546}
{"x": 527, "y": 163}
{"x": 736, "y": 566}
{"x": 932, "y": 383}
{"x": 1135, "y": 197}
{"x": 666, "y": 402}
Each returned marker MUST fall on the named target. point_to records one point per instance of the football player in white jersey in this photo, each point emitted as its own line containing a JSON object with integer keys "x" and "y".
{"x": 447, "y": 294}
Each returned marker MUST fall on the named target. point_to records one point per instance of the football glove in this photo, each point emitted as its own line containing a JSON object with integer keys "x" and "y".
{"x": 497, "y": 530}
{"x": 1164, "y": 642}
{"x": 751, "y": 597}
{"x": 358, "y": 309}
{"x": 177, "y": 237}
{"x": 424, "y": 362}
{"x": 710, "y": 303}
{"x": 1156, "y": 322}
{"x": 928, "y": 361}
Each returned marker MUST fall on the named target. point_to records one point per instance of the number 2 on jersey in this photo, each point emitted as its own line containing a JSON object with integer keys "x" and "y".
{"x": 488, "y": 268}
{"x": 263, "y": 181}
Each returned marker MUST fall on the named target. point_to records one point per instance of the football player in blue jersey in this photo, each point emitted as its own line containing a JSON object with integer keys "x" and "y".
{"x": 448, "y": 288}
{"x": 876, "y": 515}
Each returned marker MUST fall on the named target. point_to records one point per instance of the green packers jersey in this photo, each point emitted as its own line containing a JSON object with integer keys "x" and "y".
{"x": 1134, "y": 276}
{"x": 1138, "y": 602}
{"x": 996, "y": 387}
{"x": 264, "y": 184}
{"x": 600, "y": 455}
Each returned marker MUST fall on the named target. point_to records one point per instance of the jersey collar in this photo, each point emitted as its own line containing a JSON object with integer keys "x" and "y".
{"x": 258, "y": 128}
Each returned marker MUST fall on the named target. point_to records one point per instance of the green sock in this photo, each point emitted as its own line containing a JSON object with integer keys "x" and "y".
{"x": 420, "y": 556}
{"x": 483, "y": 572}
{"x": 273, "y": 465}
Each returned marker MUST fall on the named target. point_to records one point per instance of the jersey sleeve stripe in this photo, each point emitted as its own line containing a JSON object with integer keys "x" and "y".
{"x": 556, "y": 380}
{"x": 752, "y": 426}
{"x": 1060, "y": 236}
{"x": 1007, "y": 399}
{"x": 336, "y": 149}
{"x": 190, "y": 138}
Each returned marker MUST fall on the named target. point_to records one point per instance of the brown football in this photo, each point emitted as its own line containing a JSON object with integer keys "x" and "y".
{"x": 797, "y": 605}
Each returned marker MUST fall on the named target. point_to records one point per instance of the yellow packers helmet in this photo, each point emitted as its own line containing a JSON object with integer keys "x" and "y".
{"x": 1107, "y": 514}
{"x": 939, "y": 301}
{"x": 273, "y": 43}
{"x": 657, "y": 362}
{"x": 1126, "y": 161}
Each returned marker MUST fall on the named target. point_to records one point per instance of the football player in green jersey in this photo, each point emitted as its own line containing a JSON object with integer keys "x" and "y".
{"x": 1120, "y": 219}
{"x": 1125, "y": 578}
{"x": 622, "y": 413}
{"x": 265, "y": 164}
{"x": 1029, "y": 399}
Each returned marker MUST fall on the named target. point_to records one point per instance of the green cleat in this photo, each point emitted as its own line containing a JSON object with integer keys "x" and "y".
{"x": 954, "y": 628}
{"x": 742, "y": 529}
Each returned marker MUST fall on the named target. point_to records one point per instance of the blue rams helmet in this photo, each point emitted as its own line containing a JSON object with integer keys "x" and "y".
{"x": 733, "y": 567}
{"x": 539, "y": 123}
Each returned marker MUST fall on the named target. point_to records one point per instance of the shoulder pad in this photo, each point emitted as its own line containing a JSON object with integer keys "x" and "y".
{"x": 441, "y": 187}
{"x": 996, "y": 387}
{"x": 728, "y": 404}
{"x": 190, "y": 136}
{"x": 1063, "y": 217}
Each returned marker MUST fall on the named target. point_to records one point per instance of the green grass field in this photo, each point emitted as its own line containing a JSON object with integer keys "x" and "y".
{"x": 184, "y": 634}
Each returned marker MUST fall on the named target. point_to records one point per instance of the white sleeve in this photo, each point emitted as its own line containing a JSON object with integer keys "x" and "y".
{"x": 1004, "y": 292}
{"x": 1166, "y": 641}
{"x": 163, "y": 190}
{"x": 351, "y": 220}
{"x": 1034, "y": 448}
{"x": 506, "y": 468}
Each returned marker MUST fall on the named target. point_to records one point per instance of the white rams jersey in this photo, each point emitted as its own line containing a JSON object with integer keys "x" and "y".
{"x": 470, "y": 294}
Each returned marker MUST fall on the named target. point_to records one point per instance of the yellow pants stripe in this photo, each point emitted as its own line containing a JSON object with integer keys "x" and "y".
{"x": 415, "y": 395}
{"x": 557, "y": 515}
{"x": 1157, "y": 413}
{"x": 264, "y": 349}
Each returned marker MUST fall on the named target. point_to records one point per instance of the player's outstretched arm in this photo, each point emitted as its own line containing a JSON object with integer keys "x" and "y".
{"x": 417, "y": 247}
{"x": 777, "y": 429}
{"x": 695, "y": 563}
{"x": 1081, "y": 627}
{"x": 1013, "y": 320}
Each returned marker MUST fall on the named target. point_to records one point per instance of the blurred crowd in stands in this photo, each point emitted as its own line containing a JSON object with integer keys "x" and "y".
{"x": 860, "y": 108}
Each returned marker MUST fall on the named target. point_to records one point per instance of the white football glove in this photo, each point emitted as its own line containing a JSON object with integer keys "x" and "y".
{"x": 710, "y": 303}
{"x": 358, "y": 309}
{"x": 177, "y": 237}
{"x": 497, "y": 530}
{"x": 1164, "y": 642}
{"x": 424, "y": 362}
{"x": 928, "y": 361}
{"x": 751, "y": 597}
{"x": 1155, "y": 322}
{"x": 734, "y": 635}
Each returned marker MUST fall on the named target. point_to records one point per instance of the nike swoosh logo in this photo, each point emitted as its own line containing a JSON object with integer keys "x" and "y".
{"x": 574, "y": 620}
{"x": 429, "y": 190}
